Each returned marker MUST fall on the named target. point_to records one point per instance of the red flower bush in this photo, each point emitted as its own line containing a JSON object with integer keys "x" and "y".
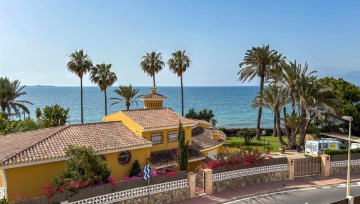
{"x": 247, "y": 157}
{"x": 48, "y": 190}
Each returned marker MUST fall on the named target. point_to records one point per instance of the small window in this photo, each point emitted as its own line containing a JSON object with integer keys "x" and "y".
{"x": 173, "y": 136}
{"x": 157, "y": 138}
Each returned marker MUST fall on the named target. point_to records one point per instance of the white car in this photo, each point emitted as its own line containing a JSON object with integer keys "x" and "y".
{"x": 315, "y": 148}
{"x": 355, "y": 146}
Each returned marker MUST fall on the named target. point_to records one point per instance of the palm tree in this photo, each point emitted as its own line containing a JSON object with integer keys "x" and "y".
{"x": 178, "y": 65}
{"x": 313, "y": 98}
{"x": 274, "y": 98}
{"x": 79, "y": 64}
{"x": 127, "y": 94}
{"x": 53, "y": 116}
{"x": 151, "y": 64}
{"x": 10, "y": 92}
{"x": 104, "y": 78}
{"x": 259, "y": 62}
{"x": 291, "y": 76}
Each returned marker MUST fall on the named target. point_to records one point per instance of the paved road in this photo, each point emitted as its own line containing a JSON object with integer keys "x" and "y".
{"x": 316, "y": 195}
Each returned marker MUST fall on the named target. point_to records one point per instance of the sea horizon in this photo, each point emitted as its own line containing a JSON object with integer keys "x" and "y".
{"x": 230, "y": 104}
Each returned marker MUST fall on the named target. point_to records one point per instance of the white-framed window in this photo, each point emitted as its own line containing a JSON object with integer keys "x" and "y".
{"x": 173, "y": 136}
{"x": 157, "y": 138}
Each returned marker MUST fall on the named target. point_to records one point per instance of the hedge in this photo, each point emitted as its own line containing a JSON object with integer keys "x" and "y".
{"x": 340, "y": 151}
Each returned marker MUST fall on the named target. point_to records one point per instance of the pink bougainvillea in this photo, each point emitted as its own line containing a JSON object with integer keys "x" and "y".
{"x": 247, "y": 157}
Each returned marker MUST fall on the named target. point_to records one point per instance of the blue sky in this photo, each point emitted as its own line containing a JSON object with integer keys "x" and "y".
{"x": 37, "y": 36}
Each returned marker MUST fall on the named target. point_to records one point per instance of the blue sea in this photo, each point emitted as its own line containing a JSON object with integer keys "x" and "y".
{"x": 231, "y": 105}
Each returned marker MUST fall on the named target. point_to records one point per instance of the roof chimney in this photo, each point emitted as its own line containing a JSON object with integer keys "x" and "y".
{"x": 153, "y": 90}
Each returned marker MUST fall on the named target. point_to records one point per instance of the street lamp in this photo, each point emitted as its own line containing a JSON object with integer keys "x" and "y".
{"x": 264, "y": 133}
{"x": 349, "y": 119}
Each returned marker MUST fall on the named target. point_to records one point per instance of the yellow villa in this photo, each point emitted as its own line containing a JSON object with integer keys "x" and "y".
{"x": 149, "y": 135}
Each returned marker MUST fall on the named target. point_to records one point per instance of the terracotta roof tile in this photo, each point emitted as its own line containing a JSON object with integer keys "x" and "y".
{"x": 153, "y": 96}
{"x": 202, "y": 138}
{"x": 157, "y": 118}
{"x": 45, "y": 144}
{"x": 169, "y": 156}
{"x": 12, "y": 144}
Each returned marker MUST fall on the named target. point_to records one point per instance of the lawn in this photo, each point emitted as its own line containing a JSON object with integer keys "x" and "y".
{"x": 270, "y": 141}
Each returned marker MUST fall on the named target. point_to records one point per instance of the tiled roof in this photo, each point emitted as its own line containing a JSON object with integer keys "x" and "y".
{"x": 157, "y": 118}
{"x": 152, "y": 96}
{"x": 169, "y": 156}
{"x": 202, "y": 121}
{"x": 50, "y": 143}
{"x": 202, "y": 138}
{"x": 12, "y": 144}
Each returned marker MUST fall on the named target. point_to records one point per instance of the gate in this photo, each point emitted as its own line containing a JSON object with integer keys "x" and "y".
{"x": 307, "y": 166}
{"x": 200, "y": 181}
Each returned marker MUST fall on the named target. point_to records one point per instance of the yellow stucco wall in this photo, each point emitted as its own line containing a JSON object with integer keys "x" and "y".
{"x": 118, "y": 170}
{"x": 166, "y": 144}
{"x": 128, "y": 122}
{"x": 1, "y": 178}
{"x": 193, "y": 165}
{"x": 153, "y": 104}
{"x": 203, "y": 124}
{"x": 30, "y": 179}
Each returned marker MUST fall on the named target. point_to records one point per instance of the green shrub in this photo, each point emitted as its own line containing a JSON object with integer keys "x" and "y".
{"x": 135, "y": 169}
{"x": 340, "y": 151}
{"x": 247, "y": 134}
{"x": 4, "y": 201}
{"x": 83, "y": 165}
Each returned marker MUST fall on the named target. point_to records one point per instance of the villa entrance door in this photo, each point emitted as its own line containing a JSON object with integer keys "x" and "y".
{"x": 200, "y": 181}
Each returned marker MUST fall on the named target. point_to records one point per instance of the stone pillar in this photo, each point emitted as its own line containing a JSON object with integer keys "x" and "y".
{"x": 192, "y": 184}
{"x": 325, "y": 165}
{"x": 208, "y": 184}
{"x": 291, "y": 162}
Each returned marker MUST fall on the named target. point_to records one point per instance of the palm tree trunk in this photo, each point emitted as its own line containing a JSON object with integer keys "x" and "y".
{"x": 105, "y": 103}
{"x": 278, "y": 124}
{"x": 285, "y": 124}
{"x": 182, "y": 96}
{"x": 274, "y": 128}
{"x": 81, "y": 98}
{"x": 127, "y": 105}
{"x": 260, "y": 109}
{"x": 302, "y": 128}
{"x": 154, "y": 80}
{"x": 293, "y": 114}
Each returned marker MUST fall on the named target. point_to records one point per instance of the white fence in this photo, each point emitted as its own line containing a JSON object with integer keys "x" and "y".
{"x": 2, "y": 192}
{"x": 344, "y": 163}
{"x": 133, "y": 193}
{"x": 249, "y": 171}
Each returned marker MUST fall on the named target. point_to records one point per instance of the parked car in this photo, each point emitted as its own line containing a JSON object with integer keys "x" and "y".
{"x": 315, "y": 148}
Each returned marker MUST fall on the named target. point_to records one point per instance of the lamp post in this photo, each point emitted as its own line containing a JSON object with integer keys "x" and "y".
{"x": 264, "y": 133}
{"x": 349, "y": 119}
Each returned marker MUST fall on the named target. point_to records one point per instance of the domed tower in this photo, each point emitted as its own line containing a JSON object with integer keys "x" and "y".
{"x": 153, "y": 99}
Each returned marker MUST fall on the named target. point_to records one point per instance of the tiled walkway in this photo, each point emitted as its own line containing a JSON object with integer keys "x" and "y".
{"x": 299, "y": 182}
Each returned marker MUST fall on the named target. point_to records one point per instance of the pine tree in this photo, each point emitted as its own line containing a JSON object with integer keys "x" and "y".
{"x": 183, "y": 153}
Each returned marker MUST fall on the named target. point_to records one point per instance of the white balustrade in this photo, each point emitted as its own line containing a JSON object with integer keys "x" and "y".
{"x": 133, "y": 193}
{"x": 344, "y": 163}
{"x": 249, "y": 171}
